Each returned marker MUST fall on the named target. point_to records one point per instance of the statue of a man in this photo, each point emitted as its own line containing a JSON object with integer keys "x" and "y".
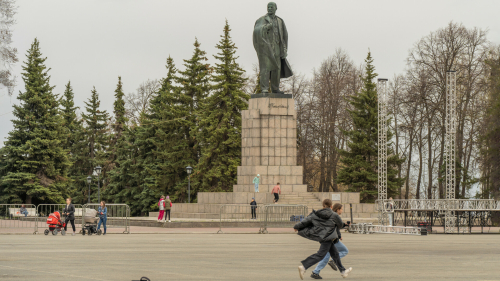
{"x": 270, "y": 40}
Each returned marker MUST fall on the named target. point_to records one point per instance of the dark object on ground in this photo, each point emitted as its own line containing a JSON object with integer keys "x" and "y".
{"x": 315, "y": 276}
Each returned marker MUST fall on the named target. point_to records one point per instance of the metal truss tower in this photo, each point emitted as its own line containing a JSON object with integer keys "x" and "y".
{"x": 450, "y": 145}
{"x": 382, "y": 147}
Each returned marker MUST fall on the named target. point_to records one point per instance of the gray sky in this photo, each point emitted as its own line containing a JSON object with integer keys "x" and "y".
{"x": 92, "y": 42}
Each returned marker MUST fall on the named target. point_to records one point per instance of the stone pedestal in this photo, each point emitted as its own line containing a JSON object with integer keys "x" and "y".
{"x": 269, "y": 146}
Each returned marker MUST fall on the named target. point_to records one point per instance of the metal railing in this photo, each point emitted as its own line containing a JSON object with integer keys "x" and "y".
{"x": 239, "y": 215}
{"x": 13, "y": 221}
{"x": 118, "y": 215}
{"x": 437, "y": 205}
{"x": 283, "y": 216}
{"x": 44, "y": 210}
{"x": 368, "y": 228}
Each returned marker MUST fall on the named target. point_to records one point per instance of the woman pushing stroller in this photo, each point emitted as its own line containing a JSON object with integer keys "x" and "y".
{"x": 103, "y": 216}
{"x": 322, "y": 226}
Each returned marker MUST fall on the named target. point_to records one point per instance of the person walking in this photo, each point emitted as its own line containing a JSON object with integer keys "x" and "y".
{"x": 276, "y": 191}
{"x": 168, "y": 207}
{"x": 343, "y": 251}
{"x": 320, "y": 226}
{"x": 256, "y": 182}
{"x": 69, "y": 212}
{"x": 161, "y": 204}
{"x": 103, "y": 216}
{"x": 253, "y": 206}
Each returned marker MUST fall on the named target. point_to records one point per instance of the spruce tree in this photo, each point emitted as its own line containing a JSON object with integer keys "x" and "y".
{"x": 194, "y": 87}
{"x": 97, "y": 142}
{"x": 220, "y": 124}
{"x": 359, "y": 162}
{"x": 37, "y": 163}
{"x": 124, "y": 180}
{"x": 74, "y": 141}
{"x": 119, "y": 111}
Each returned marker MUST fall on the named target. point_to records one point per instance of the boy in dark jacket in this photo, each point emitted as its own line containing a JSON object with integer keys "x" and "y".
{"x": 253, "y": 206}
{"x": 321, "y": 226}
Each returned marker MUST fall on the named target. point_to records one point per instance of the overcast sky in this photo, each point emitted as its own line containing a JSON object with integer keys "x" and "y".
{"x": 92, "y": 42}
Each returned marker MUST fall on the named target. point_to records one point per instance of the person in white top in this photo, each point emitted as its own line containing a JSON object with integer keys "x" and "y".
{"x": 161, "y": 204}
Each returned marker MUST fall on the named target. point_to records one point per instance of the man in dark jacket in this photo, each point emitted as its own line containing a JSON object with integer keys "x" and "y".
{"x": 69, "y": 211}
{"x": 320, "y": 226}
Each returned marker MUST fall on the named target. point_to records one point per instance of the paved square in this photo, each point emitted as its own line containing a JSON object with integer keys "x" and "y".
{"x": 243, "y": 257}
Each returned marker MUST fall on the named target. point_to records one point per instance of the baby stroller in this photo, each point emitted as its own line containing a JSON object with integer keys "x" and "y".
{"x": 55, "y": 224}
{"x": 90, "y": 223}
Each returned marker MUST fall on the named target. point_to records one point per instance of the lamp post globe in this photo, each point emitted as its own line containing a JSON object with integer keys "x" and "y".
{"x": 98, "y": 170}
{"x": 189, "y": 170}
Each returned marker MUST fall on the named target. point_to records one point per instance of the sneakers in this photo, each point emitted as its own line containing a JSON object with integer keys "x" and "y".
{"x": 169, "y": 221}
{"x": 316, "y": 276}
{"x": 73, "y": 234}
{"x": 302, "y": 271}
{"x": 346, "y": 272}
{"x": 331, "y": 263}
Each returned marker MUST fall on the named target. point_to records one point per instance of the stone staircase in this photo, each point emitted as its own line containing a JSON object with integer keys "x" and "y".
{"x": 301, "y": 198}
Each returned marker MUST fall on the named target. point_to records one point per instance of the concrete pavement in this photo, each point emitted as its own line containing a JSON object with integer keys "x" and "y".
{"x": 243, "y": 257}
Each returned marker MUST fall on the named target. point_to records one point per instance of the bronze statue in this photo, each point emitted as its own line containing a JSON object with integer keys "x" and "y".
{"x": 270, "y": 40}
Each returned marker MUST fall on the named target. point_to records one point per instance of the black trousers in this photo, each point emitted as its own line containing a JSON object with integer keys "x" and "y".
{"x": 254, "y": 213}
{"x": 167, "y": 212}
{"x": 324, "y": 248}
{"x": 72, "y": 224}
{"x": 277, "y": 197}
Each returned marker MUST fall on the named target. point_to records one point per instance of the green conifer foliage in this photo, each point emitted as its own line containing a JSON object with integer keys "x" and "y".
{"x": 359, "y": 162}
{"x": 36, "y": 162}
{"x": 74, "y": 141}
{"x": 194, "y": 87}
{"x": 220, "y": 124}
{"x": 119, "y": 111}
{"x": 96, "y": 152}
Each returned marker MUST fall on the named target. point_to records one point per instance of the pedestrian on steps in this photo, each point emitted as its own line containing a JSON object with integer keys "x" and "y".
{"x": 256, "y": 182}
{"x": 276, "y": 191}
{"x": 161, "y": 204}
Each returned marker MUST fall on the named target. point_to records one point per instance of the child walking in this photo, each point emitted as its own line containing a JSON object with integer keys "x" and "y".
{"x": 161, "y": 204}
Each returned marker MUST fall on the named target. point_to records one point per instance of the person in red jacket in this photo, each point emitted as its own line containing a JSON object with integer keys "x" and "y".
{"x": 276, "y": 191}
{"x": 161, "y": 204}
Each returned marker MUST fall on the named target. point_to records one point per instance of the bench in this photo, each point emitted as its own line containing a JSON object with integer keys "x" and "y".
{"x": 15, "y": 212}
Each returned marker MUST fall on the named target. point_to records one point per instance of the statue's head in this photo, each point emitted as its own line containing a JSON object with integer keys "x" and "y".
{"x": 271, "y": 8}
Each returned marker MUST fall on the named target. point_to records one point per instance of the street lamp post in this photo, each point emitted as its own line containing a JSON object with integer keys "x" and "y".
{"x": 98, "y": 172}
{"x": 189, "y": 171}
{"x": 89, "y": 180}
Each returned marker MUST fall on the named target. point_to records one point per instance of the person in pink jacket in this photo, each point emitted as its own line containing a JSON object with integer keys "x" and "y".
{"x": 161, "y": 204}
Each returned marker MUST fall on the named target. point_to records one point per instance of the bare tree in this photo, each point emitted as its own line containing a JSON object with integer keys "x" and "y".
{"x": 336, "y": 79}
{"x": 137, "y": 103}
{"x": 8, "y": 54}
{"x": 463, "y": 50}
